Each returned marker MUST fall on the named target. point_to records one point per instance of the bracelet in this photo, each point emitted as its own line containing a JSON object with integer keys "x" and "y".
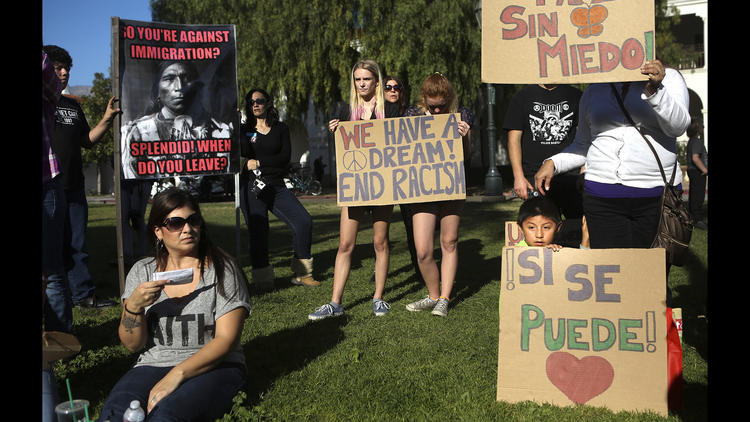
{"x": 131, "y": 312}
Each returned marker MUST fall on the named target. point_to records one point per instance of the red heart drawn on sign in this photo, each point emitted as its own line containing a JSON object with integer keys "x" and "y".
{"x": 579, "y": 379}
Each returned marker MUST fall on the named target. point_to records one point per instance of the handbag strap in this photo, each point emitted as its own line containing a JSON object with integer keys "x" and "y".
{"x": 630, "y": 120}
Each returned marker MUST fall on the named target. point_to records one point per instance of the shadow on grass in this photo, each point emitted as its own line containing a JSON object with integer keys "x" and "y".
{"x": 694, "y": 403}
{"x": 474, "y": 270}
{"x": 276, "y": 355}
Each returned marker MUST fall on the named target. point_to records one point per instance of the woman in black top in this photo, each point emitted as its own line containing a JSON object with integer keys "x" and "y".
{"x": 266, "y": 152}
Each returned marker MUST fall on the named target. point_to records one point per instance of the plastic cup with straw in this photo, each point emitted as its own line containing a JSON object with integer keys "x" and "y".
{"x": 70, "y": 398}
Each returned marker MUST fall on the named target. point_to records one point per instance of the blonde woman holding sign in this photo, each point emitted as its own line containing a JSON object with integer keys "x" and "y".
{"x": 437, "y": 96}
{"x": 366, "y": 101}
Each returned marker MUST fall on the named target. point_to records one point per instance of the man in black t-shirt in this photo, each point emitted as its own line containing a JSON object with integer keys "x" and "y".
{"x": 541, "y": 121}
{"x": 71, "y": 133}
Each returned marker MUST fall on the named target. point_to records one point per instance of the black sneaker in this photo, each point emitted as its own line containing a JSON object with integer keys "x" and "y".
{"x": 95, "y": 302}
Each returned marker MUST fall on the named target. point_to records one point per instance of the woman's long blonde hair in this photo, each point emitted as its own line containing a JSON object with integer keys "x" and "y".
{"x": 437, "y": 85}
{"x": 355, "y": 101}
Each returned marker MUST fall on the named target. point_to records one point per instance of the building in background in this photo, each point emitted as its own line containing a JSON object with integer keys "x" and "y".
{"x": 692, "y": 33}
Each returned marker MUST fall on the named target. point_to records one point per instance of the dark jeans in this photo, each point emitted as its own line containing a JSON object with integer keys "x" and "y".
{"x": 76, "y": 255}
{"x": 58, "y": 306}
{"x": 697, "y": 194}
{"x": 286, "y": 207}
{"x": 134, "y": 195}
{"x": 205, "y": 397}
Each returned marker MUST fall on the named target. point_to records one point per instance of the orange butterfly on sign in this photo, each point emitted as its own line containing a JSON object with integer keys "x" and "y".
{"x": 589, "y": 20}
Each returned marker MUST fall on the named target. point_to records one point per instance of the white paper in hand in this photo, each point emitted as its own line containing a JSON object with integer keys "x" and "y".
{"x": 183, "y": 276}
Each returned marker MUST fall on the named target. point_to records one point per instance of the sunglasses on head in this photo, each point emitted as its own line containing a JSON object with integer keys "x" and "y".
{"x": 397, "y": 88}
{"x": 174, "y": 224}
{"x": 259, "y": 101}
{"x": 436, "y": 106}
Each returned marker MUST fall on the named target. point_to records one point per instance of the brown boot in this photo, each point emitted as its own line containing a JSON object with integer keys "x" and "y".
{"x": 302, "y": 269}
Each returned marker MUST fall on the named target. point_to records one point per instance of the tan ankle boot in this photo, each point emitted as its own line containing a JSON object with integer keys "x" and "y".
{"x": 263, "y": 278}
{"x": 302, "y": 269}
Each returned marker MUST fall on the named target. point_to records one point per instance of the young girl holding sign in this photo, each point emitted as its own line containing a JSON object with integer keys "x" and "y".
{"x": 437, "y": 96}
{"x": 366, "y": 102}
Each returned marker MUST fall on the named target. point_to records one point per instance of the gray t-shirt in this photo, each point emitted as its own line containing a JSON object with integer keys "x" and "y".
{"x": 179, "y": 328}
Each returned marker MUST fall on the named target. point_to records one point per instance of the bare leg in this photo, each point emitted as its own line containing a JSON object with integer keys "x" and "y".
{"x": 449, "y": 248}
{"x": 381, "y": 221}
{"x": 348, "y": 227}
{"x": 424, "y": 236}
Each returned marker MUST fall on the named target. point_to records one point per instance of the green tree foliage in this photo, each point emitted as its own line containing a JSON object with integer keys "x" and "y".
{"x": 668, "y": 49}
{"x": 307, "y": 49}
{"x": 94, "y": 106}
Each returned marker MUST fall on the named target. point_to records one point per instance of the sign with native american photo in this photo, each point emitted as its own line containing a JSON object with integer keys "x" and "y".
{"x": 178, "y": 95}
{"x": 583, "y": 327}
{"x": 566, "y": 41}
{"x": 399, "y": 160}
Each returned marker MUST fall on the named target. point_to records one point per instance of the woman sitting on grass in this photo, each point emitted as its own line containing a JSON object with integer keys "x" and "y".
{"x": 192, "y": 363}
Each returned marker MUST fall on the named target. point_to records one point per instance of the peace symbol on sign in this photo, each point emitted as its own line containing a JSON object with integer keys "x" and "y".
{"x": 354, "y": 160}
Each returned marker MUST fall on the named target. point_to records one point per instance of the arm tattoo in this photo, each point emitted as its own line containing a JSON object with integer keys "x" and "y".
{"x": 129, "y": 323}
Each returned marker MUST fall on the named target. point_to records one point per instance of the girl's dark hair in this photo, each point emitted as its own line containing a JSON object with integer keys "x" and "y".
{"x": 163, "y": 204}
{"x": 538, "y": 205}
{"x": 403, "y": 97}
{"x": 695, "y": 127}
{"x": 272, "y": 115}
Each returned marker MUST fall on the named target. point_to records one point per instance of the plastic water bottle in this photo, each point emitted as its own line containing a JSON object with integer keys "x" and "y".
{"x": 135, "y": 413}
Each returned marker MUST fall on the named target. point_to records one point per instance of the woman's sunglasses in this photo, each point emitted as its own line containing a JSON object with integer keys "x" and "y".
{"x": 396, "y": 88}
{"x": 433, "y": 107}
{"x": 174, "y": 224}
{"x": 259, "y": 101}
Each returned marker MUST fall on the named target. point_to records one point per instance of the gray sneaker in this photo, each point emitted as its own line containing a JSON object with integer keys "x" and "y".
{"x": 327, "y": 310}
{"x": 380, "y": 307}
{"x": 441, "y": 309}
{"x": 422, "y": 304}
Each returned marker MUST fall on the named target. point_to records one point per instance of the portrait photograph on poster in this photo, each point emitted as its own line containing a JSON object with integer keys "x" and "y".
{"x": 178, "y": 90}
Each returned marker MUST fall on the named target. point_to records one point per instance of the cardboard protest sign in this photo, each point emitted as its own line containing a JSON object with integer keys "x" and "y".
{"x": 399, "y": 160}
{"x": 583, "y": 327}
{"x": 566, "y": 41}
{"x": 178, "y": 95}
{"x": 513, "y": 233}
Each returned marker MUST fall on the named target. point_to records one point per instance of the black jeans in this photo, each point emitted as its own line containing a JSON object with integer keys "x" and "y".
{"x": 697, "y": 194}
{"x": 623, "y": 223}
{"x": 286, "y": 207}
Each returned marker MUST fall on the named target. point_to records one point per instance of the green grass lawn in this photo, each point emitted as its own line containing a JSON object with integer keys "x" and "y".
{"x": 402, "y": 366}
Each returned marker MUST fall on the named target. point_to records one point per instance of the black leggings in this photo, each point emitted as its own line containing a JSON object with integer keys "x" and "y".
{"x": 623, "y": 223}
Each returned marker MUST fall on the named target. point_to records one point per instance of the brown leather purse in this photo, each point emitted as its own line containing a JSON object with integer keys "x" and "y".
{"x": 675, "y": 223}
